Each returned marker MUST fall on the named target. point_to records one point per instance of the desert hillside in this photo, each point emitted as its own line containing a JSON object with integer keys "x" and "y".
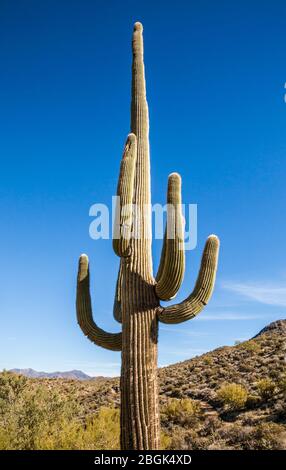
{"x": 230, "y": 398}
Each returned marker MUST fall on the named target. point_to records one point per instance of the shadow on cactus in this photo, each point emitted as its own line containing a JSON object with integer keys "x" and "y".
{"x": 138, "y": 292}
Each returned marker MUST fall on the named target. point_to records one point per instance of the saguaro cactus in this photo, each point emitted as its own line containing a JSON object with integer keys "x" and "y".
{"x": 138, "y": 293}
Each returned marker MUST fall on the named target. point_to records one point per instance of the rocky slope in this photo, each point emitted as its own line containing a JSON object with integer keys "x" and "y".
{"x": 230, "y": 398}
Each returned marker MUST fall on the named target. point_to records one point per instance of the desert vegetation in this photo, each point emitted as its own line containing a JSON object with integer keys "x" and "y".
{"x": 230, "y": 398}
{"x": 36, "y": 416}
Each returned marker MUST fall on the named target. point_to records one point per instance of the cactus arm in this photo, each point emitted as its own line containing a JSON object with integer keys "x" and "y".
{"x": 172, "y": 264}
{"x": 202, "y": 292}
{"x": 85, "y": 320}
{"x": 117, "y": 311}
{"x": 125, "y": 188}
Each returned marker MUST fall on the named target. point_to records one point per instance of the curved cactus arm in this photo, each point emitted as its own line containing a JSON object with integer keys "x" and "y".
{"x": 117, "y": 312}
{"x": 202, "y": 292}
{"x": 125, "y": 188}
{"x": 85, "y": 320}
{"x": 172, "y": 263}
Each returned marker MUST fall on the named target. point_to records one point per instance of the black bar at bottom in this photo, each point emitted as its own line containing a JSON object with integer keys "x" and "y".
{"x": 126, "y": 459}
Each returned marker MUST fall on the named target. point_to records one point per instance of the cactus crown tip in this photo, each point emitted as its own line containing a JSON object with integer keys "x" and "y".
{"x": 131, "y": 137}
{"x": 214, "y": 238}
{"x": 82, "y": 267}
{"x": 175, "y": 175}
{"x": 138, "y": 26}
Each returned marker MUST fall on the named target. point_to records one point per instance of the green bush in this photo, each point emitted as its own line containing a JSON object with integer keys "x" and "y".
{"x": 34, "y": 417}
{"x": 266, "y": 388}
{"x": 251, "y": 346}
{"x": 232, "y": 395}
{"x": 182, "y": 411}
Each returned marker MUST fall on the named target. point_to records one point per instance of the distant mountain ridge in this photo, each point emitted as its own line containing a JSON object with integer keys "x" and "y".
{"x": 71, "y": 374}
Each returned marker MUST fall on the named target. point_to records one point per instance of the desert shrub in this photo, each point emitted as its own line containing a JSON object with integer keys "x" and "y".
{"x": 196, "y": 441}
{"x": 177, "y": 393}
{"x": 185, "y": 439}
{"x": 28, "y": 411}
{"x": 280, "y": 411}
{"x": 252, "y": 401}
{"x": 210, "y": 425}
{"x": 246, "y": 367}
{"x": 266, "y": 388}
{"x": 11, "y": 388}
{"x": 33, "y": 417}
{"x": 282, "y": 385}
{"x": 99, "y": 432}
{"x": 251, "y": 346}
{"x": 265, "y": 436}
{"x": 102, "y": 431}
{"x": 182, "y": 411}
{"x": 208, "y": 360}
{"x": 232, "y": 395}
{"x": 177, "y": 439}
{"x": 165, "y": 441}
{"x": 275, "y": 374}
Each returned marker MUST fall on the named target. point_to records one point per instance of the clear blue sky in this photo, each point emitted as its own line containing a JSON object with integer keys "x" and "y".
{"x": 215, "y": 82}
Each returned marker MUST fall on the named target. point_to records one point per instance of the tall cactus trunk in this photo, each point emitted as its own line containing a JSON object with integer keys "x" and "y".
{"x": 139, "y": 400}
{"x": 138, "y": 293}
{"x": 139, "y": 395}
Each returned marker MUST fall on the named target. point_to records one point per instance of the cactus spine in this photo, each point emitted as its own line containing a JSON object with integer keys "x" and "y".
{"x": 138, "y": 293}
